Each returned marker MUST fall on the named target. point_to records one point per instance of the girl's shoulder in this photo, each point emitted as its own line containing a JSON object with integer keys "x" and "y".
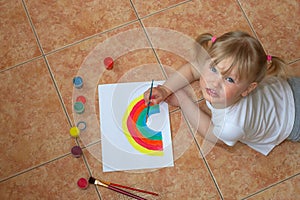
{"x": 273, "y": 80}
{"x": 272, "y": 94}
{"x": 272, "y": 87}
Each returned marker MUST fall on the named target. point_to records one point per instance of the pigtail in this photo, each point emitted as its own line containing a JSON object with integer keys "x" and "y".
{"x": 204, "y": 40}
{"x": 276, "y": 67}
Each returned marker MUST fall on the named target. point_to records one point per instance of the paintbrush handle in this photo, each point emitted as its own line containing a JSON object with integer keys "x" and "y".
{"x": 150, "y": 94}
{"x": 135, "y": 189}
{"x": 125, "y": 192}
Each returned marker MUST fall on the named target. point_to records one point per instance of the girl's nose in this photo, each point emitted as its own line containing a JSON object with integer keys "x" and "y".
{"x": 216, "y": 81}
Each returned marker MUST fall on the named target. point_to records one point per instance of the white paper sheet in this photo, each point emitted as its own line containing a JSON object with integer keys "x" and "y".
{"x": 127, "y": 142}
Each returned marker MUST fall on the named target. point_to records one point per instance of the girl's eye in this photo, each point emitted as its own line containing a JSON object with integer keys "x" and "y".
{"x": 213, "y": 69}
{"x": 230, "y": 80}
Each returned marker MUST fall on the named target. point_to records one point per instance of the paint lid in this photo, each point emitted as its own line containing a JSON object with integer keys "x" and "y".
{"x": 81, "y": 125}
{"x": 81, "y": 99}
{"x": 79, "y": 107}
{"x": 78, "y": 82}
{"x": 82, "y": 183}
{"x": 76, "y": 151}
{"x": 108, "y": 62}
{"x": 74, "y": 131}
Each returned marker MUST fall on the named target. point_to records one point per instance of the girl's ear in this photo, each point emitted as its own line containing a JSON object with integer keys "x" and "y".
{"x": 250, "y": 88}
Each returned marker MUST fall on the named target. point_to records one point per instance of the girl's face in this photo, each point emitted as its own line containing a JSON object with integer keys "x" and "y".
{"x": 223, "y": 91}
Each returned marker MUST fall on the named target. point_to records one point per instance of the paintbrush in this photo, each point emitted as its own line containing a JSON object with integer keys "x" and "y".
{"x": 148, "y": 106}
{"x": 114, "y": 188}
{"x": 127, "y": 187}
{"x": 130, "y": 188}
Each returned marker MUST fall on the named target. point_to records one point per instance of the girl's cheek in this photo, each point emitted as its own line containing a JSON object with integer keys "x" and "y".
{"x": 229, "y": 93}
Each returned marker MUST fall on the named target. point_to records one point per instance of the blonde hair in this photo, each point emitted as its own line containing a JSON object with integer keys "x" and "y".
{"x": 247, "y": 55}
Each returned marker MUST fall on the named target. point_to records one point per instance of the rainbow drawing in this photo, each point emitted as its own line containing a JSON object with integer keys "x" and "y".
{"x": 139, "y": 135}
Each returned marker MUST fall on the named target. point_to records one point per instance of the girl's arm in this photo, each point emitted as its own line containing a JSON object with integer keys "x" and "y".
{"x": 181, "y": 78}
{"x": 199, "y": 120}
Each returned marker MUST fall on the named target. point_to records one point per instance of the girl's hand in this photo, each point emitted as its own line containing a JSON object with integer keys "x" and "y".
{"x": 159, "y": 94}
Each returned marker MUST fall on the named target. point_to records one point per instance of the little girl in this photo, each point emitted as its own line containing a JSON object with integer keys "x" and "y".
{"x": 250, "y": 99}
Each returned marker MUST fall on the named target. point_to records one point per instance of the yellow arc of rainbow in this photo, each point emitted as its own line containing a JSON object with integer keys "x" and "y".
{"x": 138, "y": 134}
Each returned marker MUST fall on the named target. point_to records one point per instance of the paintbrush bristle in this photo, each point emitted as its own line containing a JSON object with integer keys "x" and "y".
{"x": 92, "y": 180}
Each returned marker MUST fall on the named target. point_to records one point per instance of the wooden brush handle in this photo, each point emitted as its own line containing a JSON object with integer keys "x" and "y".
{"x": 125, "y": 192}
{"x": 135, "y": 189}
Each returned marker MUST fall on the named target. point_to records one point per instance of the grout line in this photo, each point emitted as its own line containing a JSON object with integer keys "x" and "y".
{"x": 20, "y": 64}
{"x": 270, "y": 186}
{"x": 88, "y": 167}
{"x": 165, "y": 9}
{"x": 293, "y": 61}
{"x": 247, "y": 19}
{"x": 35, "y": 167}
{"x": 92, "y": 143}
{"x": 90, "y": 37}
{"x": 154, "y": 51}
{"x": 134, "y": 9}
{"x": 254, "y": 32}
{"x": 67, "y": 46}
{"x": 84, "y": 39}
{"x": 108, "y": 30}
{"x": 250, "y": 25}
{"x": 58, "y": 92}
{"x": 147, "y": 37}
{"x": 33, "y": 28}
{"x": 204, "y": 159}
{"x": 47, "y": 162}
{"x": 191, "y": 132}
{"x": 46, "y": 62}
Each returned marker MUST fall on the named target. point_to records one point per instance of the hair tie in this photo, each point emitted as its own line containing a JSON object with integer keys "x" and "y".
{"x": 269, "y": 58}
{"x": 213, "y": 39}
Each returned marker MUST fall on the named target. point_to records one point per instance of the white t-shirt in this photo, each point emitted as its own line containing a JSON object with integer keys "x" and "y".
{"x": 261, "y": 120}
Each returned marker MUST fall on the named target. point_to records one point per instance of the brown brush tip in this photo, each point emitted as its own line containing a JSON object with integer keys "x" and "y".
{"x": 92, "y": 180}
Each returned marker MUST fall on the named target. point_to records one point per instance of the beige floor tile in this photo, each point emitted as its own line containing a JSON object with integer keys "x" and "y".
{"x": 288, "y": 189}
{"x": 36, "y": 128}
{"x": 294, "y": 69}
{"x": 59, "y": 23}
{"x": 148, "y": 7}
{"x": 18, "y": 43}
{"x": 197, "y": 17}
{"x": 240, "y": 171}
{"x": 55, "y": 180}
{"x": 276, "y": 25}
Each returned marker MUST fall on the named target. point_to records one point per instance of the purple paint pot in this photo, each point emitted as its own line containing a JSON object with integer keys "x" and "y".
{"x": 76, "y": 151}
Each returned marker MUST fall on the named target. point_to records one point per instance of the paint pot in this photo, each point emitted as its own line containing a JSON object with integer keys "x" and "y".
{"x": 109, "y": 63}
{"x": 81, "y": 125}
{"x": 81, "y": 99}
{"x": 76, "y": 151}
{"x": 79, "y": 107}
{"x": 78, "y": 82}
{"x": 82, "y": 183}
{"x": 74, "y": 132}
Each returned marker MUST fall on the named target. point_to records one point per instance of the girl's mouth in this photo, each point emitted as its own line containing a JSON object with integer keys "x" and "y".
{"x": 211, "y": 93}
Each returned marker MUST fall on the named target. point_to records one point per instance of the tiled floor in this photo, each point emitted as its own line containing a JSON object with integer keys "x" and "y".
{"x": 45, "y": 43}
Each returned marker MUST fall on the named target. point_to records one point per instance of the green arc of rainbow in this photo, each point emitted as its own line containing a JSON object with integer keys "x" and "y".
{"x": 139, "y": 135}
